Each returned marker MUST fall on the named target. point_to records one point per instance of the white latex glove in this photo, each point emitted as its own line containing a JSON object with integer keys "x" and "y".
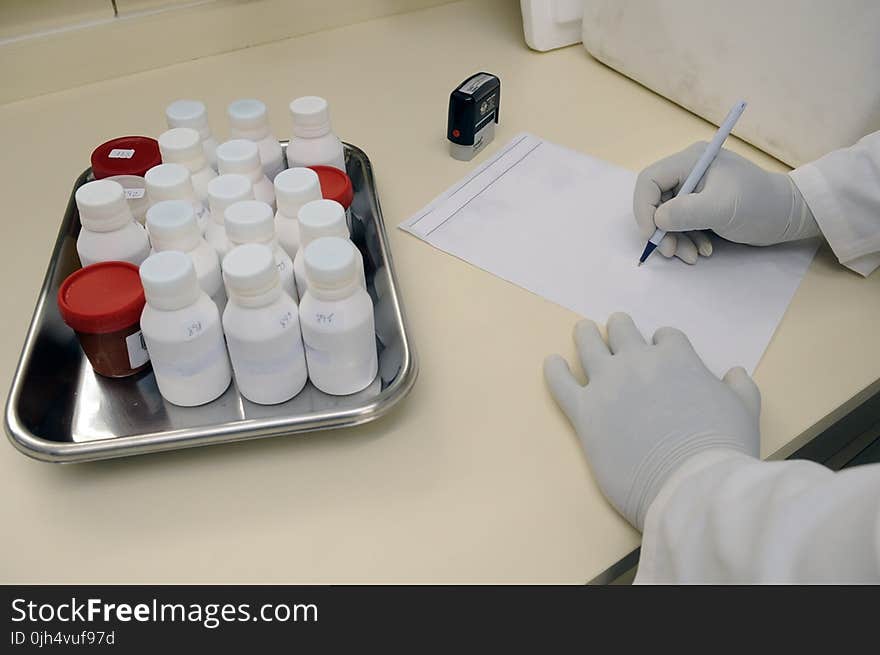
{"x": 735, "y": 199}
{"x": 649, "y": 407}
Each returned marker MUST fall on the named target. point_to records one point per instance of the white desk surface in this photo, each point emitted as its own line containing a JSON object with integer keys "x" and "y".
{"x": 476, "y": 476}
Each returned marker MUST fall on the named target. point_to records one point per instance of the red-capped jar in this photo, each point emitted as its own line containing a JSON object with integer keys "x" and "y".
{"x": 126, "y": 160}
{"x": 335, "y": 185}
{"x": 102, "y": 303}
{"x": 127, "y": 155}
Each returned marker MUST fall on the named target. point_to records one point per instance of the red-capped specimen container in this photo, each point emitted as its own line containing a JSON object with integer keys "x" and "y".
{"x": 335, "y": 185}
{"x": 102, "y": 303}
{"x": 127, "y": 155}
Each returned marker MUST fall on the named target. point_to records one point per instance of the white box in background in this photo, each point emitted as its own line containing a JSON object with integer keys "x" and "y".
{"x": 550, "y": 24}
{"x": 807, "y": 69}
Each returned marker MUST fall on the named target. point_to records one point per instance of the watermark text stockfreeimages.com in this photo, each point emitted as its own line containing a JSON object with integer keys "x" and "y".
{"x": 209, "y": 615}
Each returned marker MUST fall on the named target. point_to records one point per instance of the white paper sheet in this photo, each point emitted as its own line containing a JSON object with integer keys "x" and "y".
{"x": 559, "y": 223}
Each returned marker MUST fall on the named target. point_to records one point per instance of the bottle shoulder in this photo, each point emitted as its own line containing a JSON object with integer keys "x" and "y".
{"x": 128, "y": 243}
{"x": 258, "y": 323}
{"x": 204, "y": 256}
{"x": 264, "y": 190}
{"x": 205, "y": 174}
{"x": 282, "y": 258}
{"x": 322, "y": 150}
{"x": 269, "y": 144}
{"x": 284, "y": 219}
{"x": 177, "y": 324}
{"x": 328, "y": 138}
{"x": 132, "y": 230}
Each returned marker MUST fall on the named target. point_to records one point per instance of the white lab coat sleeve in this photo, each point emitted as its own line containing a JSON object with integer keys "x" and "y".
{"x": 842, "y": 189}
{"x": 725, "y": 517}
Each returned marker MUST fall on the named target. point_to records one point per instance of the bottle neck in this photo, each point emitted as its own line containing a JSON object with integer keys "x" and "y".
{"x": 305, "y": 238}
{"x": 186, "y": 243}
{"x": 257, "y": 300}
{"x": 249, "y": 133}
{"x": 335, "y": 293}
{"x": 109, "y": 224}
{"x": 172, "y": 302}
{"x": 193, "y": 164}
{"x": 272, "y": 243}
{"x": 217, "y": 216}
{"x": 311, "y": 131}
{"x": 178, "y": 193}
{"x": 287, "y": 211}
{"x": 253, "y": 174}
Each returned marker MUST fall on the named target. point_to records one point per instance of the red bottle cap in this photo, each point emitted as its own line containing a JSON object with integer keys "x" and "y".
{"x": 127, "y": 155}
{"x": 335, "y": 185}
{"x": 102, "y": 298}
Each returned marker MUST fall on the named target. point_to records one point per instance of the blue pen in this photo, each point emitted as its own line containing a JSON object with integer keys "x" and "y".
{"x": 699, "y": 169}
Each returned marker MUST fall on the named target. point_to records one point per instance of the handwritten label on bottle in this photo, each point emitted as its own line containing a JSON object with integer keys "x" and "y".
{"x": 121, "y": 153}
{"x": 134, "y": 194}
{"x": 193, "y": 329}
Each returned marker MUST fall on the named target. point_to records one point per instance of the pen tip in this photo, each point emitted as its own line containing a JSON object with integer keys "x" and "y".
{"x": 639, "y": 264}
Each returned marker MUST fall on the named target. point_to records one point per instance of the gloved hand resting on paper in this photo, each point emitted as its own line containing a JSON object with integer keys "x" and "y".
{"x": 648, "y": 407}
{"x": 735, "y": 199}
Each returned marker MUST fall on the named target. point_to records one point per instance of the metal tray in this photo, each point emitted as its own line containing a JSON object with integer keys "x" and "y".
{"x": 59, "y": 410}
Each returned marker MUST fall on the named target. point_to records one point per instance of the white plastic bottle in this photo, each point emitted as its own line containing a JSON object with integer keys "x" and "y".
{"x": 293, "y": 188}
{"x": 320, "y": 218}
{"x": 336, "y": 316}
{"x": 313, "y": 143}
{"x": 261, "y": 323}
{"x": 181, "y": 145}
{"x": 223, "y": 191}
{"x": 109, "y": 231}
{"x": 172, "y": 182}
{"x": 251, "y": 221}
{"x": 192, "y": 113}
{"x": 242, "y": 156}
{"x": 248, "y": 119}
{"x": 183, "y": 333}
{"x": 172, "y": 226}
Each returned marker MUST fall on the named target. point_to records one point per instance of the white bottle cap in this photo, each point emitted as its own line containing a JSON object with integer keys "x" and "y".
{"x": 102, "y": 206}
{"x": 295, "y": 187}
{"x": 249, "y": 270}
{"x": 248, "y": 118}
{"x": 249, "y": 221}
{"x": 321, "y": 218}
{"x": 239, "y": 156}
{"x": 188, "y": 113}
{"x": 170, "y": 280}
{"x": 311, "y": 116}
{"x": 330, "y": 264}
{"x": 183, "y": 145}
{"x": 172, "y": 226}
{"x": 225, "y": 190}
{"x": 169, "y": 182}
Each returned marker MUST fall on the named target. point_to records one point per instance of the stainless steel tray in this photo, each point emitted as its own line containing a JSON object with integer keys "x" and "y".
{"x": 59, "y": 410}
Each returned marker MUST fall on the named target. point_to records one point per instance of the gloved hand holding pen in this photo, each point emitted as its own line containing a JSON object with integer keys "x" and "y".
{"x": 735, "y": 199}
